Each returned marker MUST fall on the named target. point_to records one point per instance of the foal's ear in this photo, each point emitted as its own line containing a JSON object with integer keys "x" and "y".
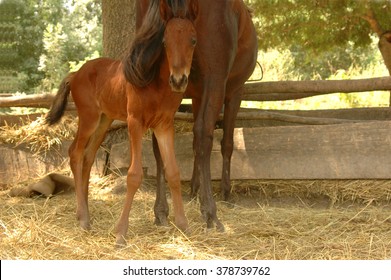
{"x": 193, "y": 9}
{"x": 165, "y": 11}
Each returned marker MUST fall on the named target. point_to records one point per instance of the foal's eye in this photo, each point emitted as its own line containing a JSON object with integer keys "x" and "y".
{"x": 193, "y": 42}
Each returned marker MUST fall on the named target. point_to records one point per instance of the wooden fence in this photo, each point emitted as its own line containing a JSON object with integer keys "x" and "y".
{"x": 342, "y": 148}
{"x": 258, "y": 91}
{"x": 255, "y": 91}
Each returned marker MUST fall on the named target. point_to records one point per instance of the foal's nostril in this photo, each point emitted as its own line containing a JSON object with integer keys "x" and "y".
{"x": 184, "y": 79}
{"x": 178, "y": 82}
{"x": 171, "y": 80}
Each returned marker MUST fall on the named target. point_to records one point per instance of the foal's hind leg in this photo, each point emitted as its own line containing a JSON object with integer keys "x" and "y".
{"x": 93, "y": 145}
{"x": 76, "y": 160}
{"x": 165, "y": 138}
{"x": 82, "y": 155}
{"x": 161, "y": 206}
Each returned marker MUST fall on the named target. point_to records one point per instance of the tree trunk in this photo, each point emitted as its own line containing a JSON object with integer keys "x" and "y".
{"x": 385, "y": 48}
{"x": 118, "y": 26}
{"x": 384, "y": 38}
{"x": 370, "y": 17}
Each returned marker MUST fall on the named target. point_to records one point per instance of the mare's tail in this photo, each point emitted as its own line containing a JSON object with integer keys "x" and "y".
{"x": 60, "y": 101}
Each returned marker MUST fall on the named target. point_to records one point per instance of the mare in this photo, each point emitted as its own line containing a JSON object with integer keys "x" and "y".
{"x": 224, "y": 59}
{"x": 102, "y": 94}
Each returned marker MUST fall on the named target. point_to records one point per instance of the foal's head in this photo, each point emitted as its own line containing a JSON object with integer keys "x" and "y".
{"x": 179, "y": 41}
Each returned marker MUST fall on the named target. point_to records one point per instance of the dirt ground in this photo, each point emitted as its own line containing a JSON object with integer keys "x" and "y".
{"x": 271, "y": 220}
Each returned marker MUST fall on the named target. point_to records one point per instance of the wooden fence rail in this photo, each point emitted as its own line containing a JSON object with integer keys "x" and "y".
{"x": 259, "y": 91}
{"x": 286, "y": 90}
{"x": 43, "y": 100}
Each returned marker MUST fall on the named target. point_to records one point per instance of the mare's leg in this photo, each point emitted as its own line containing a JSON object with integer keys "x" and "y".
{"x": 232, "y": 105}
{"x": 203, "y": 141}
{"x": 165, "y": 139}
{"x": 87, "y": 126}
{"x": 214, "y": 55}
{"x": 161, "y": 206}
{"x": 135, "y": 175}
{"x": 195, "y": 179}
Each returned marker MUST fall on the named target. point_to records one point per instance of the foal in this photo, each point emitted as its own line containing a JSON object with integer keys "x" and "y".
{"x": 224, "y": 59}
{"x": 102, "y": 94}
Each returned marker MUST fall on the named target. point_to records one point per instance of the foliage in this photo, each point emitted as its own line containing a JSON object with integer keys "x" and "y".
{"x": 26, "y": 21}
{"x": 76, "y": 36}
{"x": 40, "y": 41}
{"x": 38, "y": 38}
{"x": 323, "y": 35}
{"x": 279, "y": 66}
{"x": 321, "y": 39}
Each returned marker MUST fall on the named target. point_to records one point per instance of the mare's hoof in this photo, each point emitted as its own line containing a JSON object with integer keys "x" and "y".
{"x": 161, "y": 221}
{"x": 220, "y": 227}
{"x": 226, "y": 196}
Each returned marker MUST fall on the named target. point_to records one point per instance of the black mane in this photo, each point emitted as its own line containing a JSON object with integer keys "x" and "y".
{"x": 143, "y": 60}
{"x": 178, "y": 8}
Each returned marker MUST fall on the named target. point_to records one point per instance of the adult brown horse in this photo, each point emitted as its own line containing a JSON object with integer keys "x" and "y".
{"x": 224, "y": 59}
{"x": 102, "y": 94}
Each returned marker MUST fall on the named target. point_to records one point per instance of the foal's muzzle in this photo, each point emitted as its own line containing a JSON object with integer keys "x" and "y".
{"x": 178, "y": 83}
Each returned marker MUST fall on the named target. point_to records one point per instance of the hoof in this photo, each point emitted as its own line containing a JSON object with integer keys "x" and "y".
{"x": 220, "y": 227}
{"x": 184, "y": 227}
{"x": 85, "y": 225}
{"x": 161, "y": 221}
{"x": 120, "y": 243}
{"x": 226, "y": 196}
{"x": 211, "y": 222}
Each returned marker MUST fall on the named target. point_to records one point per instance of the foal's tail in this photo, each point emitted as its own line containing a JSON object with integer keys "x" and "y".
{"x": 60, "y": 101}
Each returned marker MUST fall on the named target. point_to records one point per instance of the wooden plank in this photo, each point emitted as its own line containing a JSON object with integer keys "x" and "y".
{"x": 347, "y": 151}
{"x": 371, "y": 113}
{"x": 43, "y": 100}
{"x": 256, "y": 117}
{"x": 262, "y": 115}
{"x": 343, "y": 151}
{"x": 20, "y": 164}
{"x": 317, "y": 116}
{"x": 18, "y": 119}
{"x": 33, "y": 100}
{"x": 288, "y": 90}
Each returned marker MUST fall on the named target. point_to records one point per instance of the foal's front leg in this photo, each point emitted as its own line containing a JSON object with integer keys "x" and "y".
{"x": 135, "y": 175}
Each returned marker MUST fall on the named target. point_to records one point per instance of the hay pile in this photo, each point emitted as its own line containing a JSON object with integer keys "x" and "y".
{"x": 265, "y": 220}
{"x": 37, "y": 136}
